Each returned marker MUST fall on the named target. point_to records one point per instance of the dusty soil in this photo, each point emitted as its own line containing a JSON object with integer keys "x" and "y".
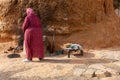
{"x": 60, "y": 67}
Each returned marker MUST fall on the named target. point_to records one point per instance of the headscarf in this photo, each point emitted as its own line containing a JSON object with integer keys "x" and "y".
{"x": 30, "y": 11}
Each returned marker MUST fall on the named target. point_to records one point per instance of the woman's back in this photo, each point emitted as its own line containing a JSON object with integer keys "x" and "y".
{"x": 33, "y": 36}
{"x": 34, "y": 21}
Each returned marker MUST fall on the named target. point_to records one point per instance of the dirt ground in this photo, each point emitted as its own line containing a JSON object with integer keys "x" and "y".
{"x": 60, "y": 67}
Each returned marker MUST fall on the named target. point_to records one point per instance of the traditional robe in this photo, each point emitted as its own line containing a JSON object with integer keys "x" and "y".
{"x": 33, "y": 40}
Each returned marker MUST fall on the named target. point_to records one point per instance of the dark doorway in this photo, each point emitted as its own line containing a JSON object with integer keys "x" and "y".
{"x": 116, "y": 4}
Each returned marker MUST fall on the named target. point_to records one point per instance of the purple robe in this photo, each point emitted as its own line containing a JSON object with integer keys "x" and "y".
{"x": 33, "y": 39}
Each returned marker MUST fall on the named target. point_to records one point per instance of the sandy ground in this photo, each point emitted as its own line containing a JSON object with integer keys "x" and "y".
{"x": 57, "y": 67}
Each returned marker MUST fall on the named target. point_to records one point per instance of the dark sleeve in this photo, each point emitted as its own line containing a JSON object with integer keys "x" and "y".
{"x": 25, "y": 24}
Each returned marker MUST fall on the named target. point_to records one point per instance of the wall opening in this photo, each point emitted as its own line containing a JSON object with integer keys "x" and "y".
{"x": 116, "y": 4}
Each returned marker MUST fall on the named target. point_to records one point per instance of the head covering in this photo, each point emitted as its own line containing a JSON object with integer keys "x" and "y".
{"x": 30, "y": 11}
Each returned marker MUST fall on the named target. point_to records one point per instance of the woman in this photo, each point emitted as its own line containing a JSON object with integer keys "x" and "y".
{"x": 32, "y": 36}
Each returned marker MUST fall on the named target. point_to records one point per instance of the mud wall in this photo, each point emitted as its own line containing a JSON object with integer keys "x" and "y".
{"x": 71, "y": 17}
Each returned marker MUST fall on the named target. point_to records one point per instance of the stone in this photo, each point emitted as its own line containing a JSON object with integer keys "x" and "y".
{"x": 100, "y": 73}
{"x": 114, "y": 69}
{"x": 78, "y": 72}
{"x": 89, "y": 73}
{"x": 5, "y": 52}
{"x": 117, "y": 63}
{"x": 97, "y": 66}
{"x": 113, "y": 72}
{"x": 111, "y": 78}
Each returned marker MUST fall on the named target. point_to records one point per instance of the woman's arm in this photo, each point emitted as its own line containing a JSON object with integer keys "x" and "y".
{"x": 25, "y": 24}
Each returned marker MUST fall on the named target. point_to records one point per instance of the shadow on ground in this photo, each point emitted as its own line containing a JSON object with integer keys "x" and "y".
{"x": 88, "y": 58}
{"x": 80, "y": 61}
{"x": 7, "y": 75}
